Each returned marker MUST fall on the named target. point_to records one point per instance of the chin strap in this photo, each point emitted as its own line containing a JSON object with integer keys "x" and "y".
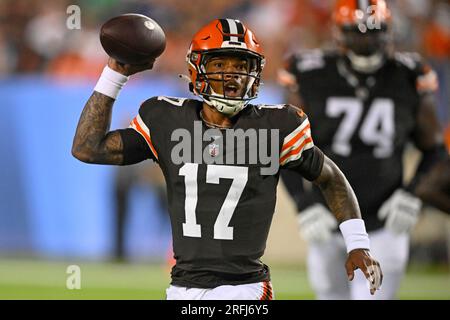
{"x": 225, "y": 106}
{"x": 366, "y": 64}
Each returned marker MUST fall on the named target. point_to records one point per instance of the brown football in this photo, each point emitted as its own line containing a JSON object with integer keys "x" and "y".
{"x": 132, "y": 38}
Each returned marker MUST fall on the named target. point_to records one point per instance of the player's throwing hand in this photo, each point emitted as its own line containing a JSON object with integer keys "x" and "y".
{"x": 129, "y": 69}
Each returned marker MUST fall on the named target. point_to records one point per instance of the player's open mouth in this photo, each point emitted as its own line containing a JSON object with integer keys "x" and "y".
{"x": 232, "y": 90}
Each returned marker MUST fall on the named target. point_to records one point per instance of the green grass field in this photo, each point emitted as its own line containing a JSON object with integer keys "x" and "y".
{"x": 35, "y": 279}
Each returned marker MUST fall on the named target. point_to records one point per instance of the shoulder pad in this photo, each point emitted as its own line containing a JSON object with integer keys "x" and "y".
{"x": 174, "y": 101}
{"x": 310, "y": 60}
{"x": 158, "y": 106}
{"x": 288, "y": 109}
{"x": 271, "y": 106}
{"x": 411, "y": 60}
{"x": 425, "y": 77}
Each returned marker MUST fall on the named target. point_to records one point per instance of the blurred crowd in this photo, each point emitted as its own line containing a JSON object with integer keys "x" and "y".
{"x": 34, "y": 37}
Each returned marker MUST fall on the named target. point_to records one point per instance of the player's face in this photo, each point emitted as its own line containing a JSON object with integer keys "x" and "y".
{"x": 365, "y": 44}
{"x": 228, "y": 75}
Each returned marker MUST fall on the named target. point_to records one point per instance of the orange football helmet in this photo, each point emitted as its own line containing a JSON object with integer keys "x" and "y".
{"x": 226, "y": 37}
{"x": 362, "y": 30}
{"x": 354, "y": 12}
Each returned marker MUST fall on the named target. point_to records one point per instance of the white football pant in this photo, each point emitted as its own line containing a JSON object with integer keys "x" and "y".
{"x": 328, "y": 277}
{"x": 252, "y": 291}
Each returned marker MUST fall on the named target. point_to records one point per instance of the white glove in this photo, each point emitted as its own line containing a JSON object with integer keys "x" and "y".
{"x": 316, "y": 223}
{"x": 401, "y": 211}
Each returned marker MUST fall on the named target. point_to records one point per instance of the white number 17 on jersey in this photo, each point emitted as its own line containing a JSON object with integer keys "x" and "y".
{"x": 214, "y": 173}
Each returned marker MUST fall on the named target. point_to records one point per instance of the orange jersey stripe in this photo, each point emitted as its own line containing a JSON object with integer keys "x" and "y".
{"x": 296, "y": 150}
{"x": 146, "y": 136}
{"x": 270, "y": 292}
{"x": 267, "y": 291}
{"x": 297, "y": 137}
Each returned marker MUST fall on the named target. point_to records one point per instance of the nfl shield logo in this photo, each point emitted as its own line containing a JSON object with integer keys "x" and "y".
{"x": 213, "y": 149}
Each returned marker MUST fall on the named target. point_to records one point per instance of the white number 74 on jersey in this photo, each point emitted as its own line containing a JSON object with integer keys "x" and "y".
{"x": 377, "y": 128}
{"x": 213, "y": 175}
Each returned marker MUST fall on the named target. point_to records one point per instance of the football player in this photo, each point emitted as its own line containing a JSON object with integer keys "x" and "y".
{"x": 365, "y": 103}
{"x": 220, "y": 213}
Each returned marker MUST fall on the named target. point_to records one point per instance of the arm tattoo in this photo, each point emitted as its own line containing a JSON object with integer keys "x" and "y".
{"x": 93, "y": 143}
{"x": 337, "y": 192}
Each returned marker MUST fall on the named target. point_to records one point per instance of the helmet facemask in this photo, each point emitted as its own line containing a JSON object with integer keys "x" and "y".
{"x": 366, "y": 50}
{"x": 247, "y": 80}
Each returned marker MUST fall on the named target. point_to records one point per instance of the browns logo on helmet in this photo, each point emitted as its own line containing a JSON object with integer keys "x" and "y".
{"x": 362, "y": 29}
{"x": 224, "y": 37}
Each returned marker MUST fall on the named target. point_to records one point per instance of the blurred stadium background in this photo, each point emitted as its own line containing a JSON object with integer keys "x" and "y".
{"x": 56, "y": 211}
